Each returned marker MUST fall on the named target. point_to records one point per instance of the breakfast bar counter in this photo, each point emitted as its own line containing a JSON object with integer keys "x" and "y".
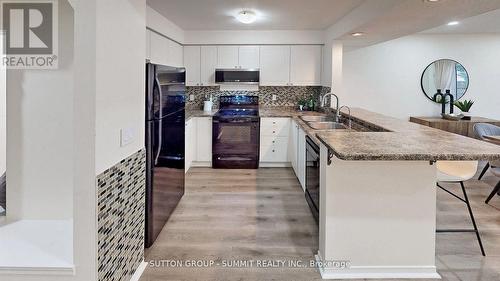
{"x": 404, "y": 140}
{"x": 378, "y": 196}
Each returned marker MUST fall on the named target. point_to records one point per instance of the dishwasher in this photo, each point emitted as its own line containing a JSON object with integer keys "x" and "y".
{"x": 312, "y": 177}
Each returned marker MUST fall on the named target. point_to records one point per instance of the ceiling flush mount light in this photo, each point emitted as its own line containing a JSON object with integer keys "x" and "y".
{"x": 246, "y": 17}
{"x": 453, "y": 23}
{"x": 432, "y": 1}
{"x": 357, "y": 34}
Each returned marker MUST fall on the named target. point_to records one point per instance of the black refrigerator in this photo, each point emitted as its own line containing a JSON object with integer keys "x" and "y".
{"x": 165, "y": 116}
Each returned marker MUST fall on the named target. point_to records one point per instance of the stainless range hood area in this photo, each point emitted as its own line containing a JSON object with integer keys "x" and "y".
{"x": 236, "y": 76}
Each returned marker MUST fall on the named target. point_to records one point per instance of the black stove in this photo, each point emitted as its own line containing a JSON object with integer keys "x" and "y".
{"x": 235, "y": 133}
{"x": 238, "y": 112}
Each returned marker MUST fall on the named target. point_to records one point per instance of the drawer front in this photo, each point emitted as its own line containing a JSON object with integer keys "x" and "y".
{"x": 274, "y": 149}
{"x": 275, "y": 127}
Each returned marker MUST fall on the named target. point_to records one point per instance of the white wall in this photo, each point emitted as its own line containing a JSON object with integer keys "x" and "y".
{"x": 40, "y": 134}
{"x": 162, "y": 25}
{"x": 385, "y": 78}
{"x": 3, "y": 112}
{"x": 120, "y": 85}
{"x": 256, "y": 37}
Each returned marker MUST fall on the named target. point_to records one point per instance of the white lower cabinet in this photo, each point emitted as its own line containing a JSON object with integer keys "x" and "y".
{"x": 203, "y": 142}
{"x": 274, "y": 138}
{"x": 274, "y": 149}
{"x": 301, "y": 157}
{"x": 189, "y": 143}
{"x": 198, "y": 142}
{"x": 297, "y": 152}
{"x": 292, "y": 145}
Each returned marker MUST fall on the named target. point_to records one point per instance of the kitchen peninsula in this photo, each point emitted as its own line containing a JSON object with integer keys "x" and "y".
{"x": 378, "y": 191}
{"x": 378, "y": 196}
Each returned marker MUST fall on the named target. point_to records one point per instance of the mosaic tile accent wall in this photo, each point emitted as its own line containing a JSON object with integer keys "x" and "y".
{"x": 120, "y": 218}
{"x": 286, "y": 96}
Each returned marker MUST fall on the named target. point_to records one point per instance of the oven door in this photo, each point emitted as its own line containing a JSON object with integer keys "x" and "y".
{"x": 235, "y": 143}
{"x": 312, "y": 177}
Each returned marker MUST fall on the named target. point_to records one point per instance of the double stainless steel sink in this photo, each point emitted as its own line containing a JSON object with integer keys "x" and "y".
{"x": 323, "y": 123}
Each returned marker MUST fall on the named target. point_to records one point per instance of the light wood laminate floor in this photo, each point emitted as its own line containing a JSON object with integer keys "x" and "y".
{"x": 262, "y": 215}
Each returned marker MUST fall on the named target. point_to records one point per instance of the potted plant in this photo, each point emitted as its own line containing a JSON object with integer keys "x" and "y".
{"x": 302, "y": 103}
{"x": 311, "y": 103}
{"x": 464, "y": 106}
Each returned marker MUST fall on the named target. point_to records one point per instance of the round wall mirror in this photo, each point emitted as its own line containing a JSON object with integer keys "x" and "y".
{"x": 443, "y": 75}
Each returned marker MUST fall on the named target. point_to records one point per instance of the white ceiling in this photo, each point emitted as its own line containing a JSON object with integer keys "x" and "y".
{"x": 485, "y": 23}
{"x": 407, "y": 17}
{"x": 272, "y": 14}
{"x": 380, "y": 20}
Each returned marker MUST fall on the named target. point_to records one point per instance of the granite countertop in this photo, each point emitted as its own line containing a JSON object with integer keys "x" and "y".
{"x": 190, "y": 113}
{"x": 397, "y": 139}
{"x": 270, "y": 111}
{"x": 404, "y": 141}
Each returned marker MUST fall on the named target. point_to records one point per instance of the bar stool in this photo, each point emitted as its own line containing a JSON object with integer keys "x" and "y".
{"x": 485, "y": 129}
{"x": 458, "y": 172}
{"x": 496, "y": 172}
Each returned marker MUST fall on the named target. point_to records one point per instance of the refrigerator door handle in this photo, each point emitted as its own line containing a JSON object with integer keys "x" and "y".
{"x": 160, "y": 97}
{"x": 157, "y": 83}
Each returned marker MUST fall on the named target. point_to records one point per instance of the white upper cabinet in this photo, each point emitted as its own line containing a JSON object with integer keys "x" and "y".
{"x": 248, "y": 57}
{"x": 238, "y": 57}
{"x": 274, "y": 65}
{"x": 305, "y": 65}
{"x": 192, "y": 61}
{"x": 227, "y": 57}
{"x": 208, "y": 65}
{"x": 159, "y": 49}
{"x": 200, "y": 63}
{"x": 175, "y": 55}
{"x": 280, "y": 65}
{"x": 163, "y": 50}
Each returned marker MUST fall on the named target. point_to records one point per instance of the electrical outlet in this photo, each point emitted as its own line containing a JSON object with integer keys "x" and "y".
{"x": 127, "y": 136}
{"x": 191, "y": 97}
{"x": 274, "y": 97}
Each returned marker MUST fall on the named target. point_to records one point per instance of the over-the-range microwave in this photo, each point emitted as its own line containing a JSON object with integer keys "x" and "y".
{"x": 237, "y": 76}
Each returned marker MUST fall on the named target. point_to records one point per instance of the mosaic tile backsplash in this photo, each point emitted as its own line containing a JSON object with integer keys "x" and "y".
{"x": 285, "y": 96}
{"x": 121, "y": 218}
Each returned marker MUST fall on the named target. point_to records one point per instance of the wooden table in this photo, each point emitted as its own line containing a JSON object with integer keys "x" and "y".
{"x": 461, "y": 127}
{"x": 493, "y": 139}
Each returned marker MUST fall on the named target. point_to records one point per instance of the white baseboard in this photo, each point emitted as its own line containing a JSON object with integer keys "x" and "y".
{"x": 274, "y": 164}
{"x": 70, "y": 270}
{"x": 379, "y": 272}
{"x": 138, "y": 272}
{"x": 201, "y": 164}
